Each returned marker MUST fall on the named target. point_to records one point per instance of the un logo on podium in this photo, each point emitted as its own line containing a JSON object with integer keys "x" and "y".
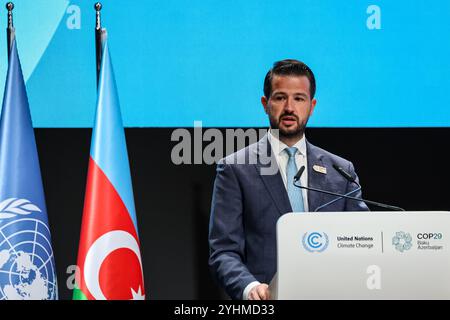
{"x": 315, "y": 241}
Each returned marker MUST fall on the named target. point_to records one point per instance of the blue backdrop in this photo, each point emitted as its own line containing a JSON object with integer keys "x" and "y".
{"x": 378, "y": 63}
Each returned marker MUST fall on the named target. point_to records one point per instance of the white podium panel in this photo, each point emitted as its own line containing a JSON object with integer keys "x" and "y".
{"x": 363, "y": 255}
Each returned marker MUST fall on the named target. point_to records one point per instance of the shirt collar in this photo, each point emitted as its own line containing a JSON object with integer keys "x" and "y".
{"x": 278, "y": 147}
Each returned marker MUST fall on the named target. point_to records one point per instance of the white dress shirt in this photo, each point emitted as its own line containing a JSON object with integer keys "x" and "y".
{"x": 282, "y": 158}
{"x": 278, "y": 149}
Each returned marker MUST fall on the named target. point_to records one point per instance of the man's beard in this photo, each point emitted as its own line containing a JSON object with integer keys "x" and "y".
{"x": 288, "y": 133}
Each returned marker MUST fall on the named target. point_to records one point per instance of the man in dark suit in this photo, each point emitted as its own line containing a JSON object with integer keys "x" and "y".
{"x": 255, "y": 186}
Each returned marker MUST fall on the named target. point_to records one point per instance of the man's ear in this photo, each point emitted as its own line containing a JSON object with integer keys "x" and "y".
{"x": 313, "y": 106}
{"x": 265, "y": 104}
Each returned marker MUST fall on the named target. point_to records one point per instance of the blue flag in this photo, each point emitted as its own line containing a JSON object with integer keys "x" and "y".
{"x": 27, "y": 265}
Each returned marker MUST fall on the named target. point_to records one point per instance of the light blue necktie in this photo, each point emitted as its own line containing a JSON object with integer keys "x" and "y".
{"x": 294, "y": 193}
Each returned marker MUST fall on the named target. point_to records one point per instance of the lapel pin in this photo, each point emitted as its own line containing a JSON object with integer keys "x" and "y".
{"x": 320, "y": 169}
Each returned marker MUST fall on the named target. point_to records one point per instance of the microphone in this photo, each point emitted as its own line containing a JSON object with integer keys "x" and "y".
{"x": 348, "y": 177}
{"x": 299, "y": 174}
{"x": 378, "y": 204}
{"x": 345, "y": 174}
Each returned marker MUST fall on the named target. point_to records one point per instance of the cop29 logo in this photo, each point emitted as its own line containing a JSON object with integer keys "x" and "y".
{"x": 402, "y": 241}
{"x": 315, "y": 241}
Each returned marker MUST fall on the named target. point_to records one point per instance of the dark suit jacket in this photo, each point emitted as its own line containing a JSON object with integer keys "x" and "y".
{"x": 247, "y": 203}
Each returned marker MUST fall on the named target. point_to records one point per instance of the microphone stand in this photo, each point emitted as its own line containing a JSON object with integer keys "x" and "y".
{"x": 378, "y": 204}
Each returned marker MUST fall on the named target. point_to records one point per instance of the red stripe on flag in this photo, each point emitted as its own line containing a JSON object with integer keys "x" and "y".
{"x": 104, "y": 212}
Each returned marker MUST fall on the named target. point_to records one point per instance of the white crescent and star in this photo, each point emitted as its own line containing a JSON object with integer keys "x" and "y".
{"x": 99, "y": 251}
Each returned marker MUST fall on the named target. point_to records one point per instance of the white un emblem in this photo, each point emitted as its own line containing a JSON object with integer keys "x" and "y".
{"x": 315, "y": 241}
{"x": 26, "y": 256}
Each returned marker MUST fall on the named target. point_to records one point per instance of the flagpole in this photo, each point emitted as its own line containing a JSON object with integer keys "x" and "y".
{"x": 10, "y": 31}
{"x": 99, "y": 38}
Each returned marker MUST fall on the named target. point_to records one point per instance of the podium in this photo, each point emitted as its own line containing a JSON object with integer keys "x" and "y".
{"x": 363, "y": 256}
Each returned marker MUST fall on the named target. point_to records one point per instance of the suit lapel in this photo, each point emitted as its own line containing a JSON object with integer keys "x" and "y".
{"x": 315, "y": 179}
{"x": 273, "y": 182}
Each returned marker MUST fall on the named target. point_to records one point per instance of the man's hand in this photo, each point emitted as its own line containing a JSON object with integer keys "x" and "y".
{"x": 260, "y": 292}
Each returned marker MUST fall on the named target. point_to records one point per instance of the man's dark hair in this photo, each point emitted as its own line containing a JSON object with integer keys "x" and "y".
{"x": 289, "y": 67}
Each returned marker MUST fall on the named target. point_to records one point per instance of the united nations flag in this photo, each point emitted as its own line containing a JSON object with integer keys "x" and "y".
{"x": 27, "y": 266}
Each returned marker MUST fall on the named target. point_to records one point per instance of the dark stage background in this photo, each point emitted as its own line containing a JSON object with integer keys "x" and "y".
{"x": 407, "y": 167}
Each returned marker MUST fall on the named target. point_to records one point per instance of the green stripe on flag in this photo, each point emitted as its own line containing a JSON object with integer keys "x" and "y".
{"x": 78, "y": 294}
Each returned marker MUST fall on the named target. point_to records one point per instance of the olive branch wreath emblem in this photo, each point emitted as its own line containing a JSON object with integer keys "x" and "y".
{"x": 14, "y": 207}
